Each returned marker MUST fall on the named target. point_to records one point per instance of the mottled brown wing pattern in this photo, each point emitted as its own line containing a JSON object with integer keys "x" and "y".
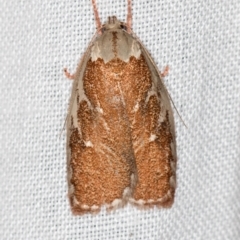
{"x": 123, "y": 150}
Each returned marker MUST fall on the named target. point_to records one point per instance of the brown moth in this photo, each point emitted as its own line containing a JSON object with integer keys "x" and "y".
{"x": 120, "y": 128}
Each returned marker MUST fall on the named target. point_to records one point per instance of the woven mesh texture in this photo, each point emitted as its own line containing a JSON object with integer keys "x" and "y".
{"x": 199, "y": 40}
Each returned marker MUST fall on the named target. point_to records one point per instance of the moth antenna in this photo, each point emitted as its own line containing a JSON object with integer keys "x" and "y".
{"x": 177, "y": 110}
{"x": 97, "y": 18}
{"x": 129, "y": 16}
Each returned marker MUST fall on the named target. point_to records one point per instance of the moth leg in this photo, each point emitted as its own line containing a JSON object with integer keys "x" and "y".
{"x": 68, "y": 74}
{"x": 165, "y": 72}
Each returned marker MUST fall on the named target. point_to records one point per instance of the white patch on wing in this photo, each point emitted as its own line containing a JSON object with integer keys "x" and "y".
{"x": 151, "y": 92}
{"x": 88, "y": 144}
{"x": 173, "y": 182}
{"x": 140, "y": 202}
{"x": 122, "y": 97}
{"x": 116, "y": 203}
{"x": 150, "y": 201}
{"x": 107, "y": 151}
{"x": 162, "y": 114}
{"x": 153, "y": 137}
{"x": 100, "y": 110}
{"x": 136, "y": 50}
{"x": 95, "y": 207}
{"x": 85, "y": 206}
{"x": 95, "y": 51}
{"x": 138, "y": 144}
{"x": 75, "y": 201}
{"x": 136, "y": 107}
{"x": 70, "y": 189}
{"x": 106, "y": 126}
{"x": 127, "y": 192}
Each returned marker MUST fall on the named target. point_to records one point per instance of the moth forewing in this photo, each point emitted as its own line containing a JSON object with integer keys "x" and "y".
{"x": 165, "y": 97}
{"x": 72, "y": 110}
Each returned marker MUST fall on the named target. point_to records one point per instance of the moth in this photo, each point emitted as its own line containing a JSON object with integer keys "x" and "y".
{"x": 121, "y": 145}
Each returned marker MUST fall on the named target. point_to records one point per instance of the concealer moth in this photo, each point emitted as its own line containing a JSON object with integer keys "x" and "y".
{"x": 121, "y": 144}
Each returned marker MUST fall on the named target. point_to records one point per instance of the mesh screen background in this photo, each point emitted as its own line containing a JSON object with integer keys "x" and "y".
{"x": 199, "y": 40}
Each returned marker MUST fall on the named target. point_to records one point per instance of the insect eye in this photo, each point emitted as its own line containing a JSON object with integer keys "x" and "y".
{"x": 103, "y": 29}
{"x": 124, "y": 27}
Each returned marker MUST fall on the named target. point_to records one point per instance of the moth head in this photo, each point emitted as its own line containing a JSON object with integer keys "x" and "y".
{"x": 112, "y": 24}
